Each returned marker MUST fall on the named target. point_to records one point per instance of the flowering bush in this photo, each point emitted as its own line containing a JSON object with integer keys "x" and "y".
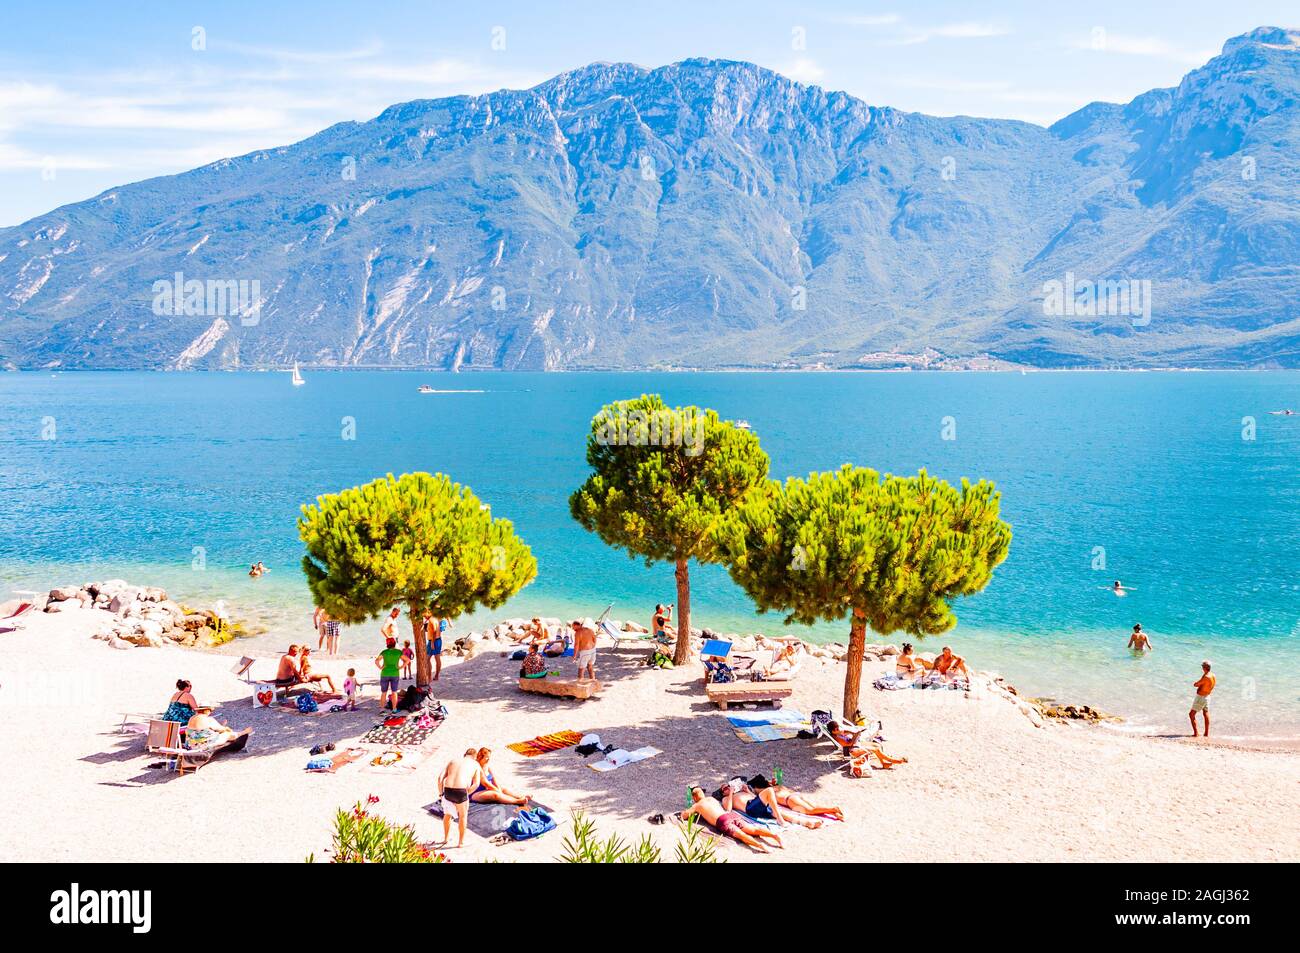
{"x": 364, "y": 838}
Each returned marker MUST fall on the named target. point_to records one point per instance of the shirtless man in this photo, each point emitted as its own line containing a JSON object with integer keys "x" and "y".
{"x": 760, "y": 805}
{"x": 458, "y": 779}
{"x": 288, "y": 672}
{"x": 1139, "y": 641}
{"x": 1204, "y": 686}
{"x": 727, "y": 823}
{"x": 584, "y": 647}
{"x": 948, "y": 665}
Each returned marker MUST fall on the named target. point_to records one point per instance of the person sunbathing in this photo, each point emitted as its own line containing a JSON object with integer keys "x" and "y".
{"x": 785, "y": 661}
{"x": 760, "y": 805}
{"x": 727, "y": 823}
{"x": 908, "y": 666}
{"x": 794, "y": 801}
{"x": 949, "y": 665}
{"x": 308, "y": 677}
{"x": 203, "y": 729}
{"x": 489, "y": 791}
{"x": 861, "y": 752}
{"x": 534, "y": 631}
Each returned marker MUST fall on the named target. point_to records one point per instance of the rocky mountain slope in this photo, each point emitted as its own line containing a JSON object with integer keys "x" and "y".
{"x": 704, "y": 214}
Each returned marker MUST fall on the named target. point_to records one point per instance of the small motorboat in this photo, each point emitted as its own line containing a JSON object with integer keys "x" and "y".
{"x": 426, "y": 389}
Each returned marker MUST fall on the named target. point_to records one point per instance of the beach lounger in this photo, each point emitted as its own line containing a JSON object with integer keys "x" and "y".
{"x": 581, "y": 689}
{"x": 182, "y": 757}
{"x": 736, "y": 693}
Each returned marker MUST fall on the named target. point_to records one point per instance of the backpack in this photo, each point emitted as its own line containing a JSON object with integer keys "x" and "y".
{"x": 529, "y": 824}
{"x": 307, "y": 704}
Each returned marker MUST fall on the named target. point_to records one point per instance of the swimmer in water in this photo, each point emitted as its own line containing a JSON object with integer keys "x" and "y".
{"x": 1139, "y": 642}
{"x": 1120, "y": 589}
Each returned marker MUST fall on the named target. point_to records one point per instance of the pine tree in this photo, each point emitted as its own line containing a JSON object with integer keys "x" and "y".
{"x": 419, "y": 541}
{"x": 887, "y": 553}
{"x": 663, "y": 479}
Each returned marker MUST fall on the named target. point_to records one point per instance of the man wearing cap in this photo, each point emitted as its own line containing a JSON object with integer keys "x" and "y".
{"x": 584, "y": 647}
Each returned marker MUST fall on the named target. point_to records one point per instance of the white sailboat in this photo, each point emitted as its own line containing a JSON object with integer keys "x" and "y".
{"x": 297, "y": 378}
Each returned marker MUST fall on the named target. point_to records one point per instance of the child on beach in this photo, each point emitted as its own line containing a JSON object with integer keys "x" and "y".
{"x": 350, "y": 689}
{"x": 408, "y": 656}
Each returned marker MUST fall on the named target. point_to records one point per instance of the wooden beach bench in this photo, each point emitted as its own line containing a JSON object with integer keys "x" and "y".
{"x": 580, "y": 689}
{"x": 736, "y": 693}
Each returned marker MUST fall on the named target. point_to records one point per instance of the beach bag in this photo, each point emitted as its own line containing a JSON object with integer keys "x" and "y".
{"x": 411, "y": 699}
{"x": 320, "y": 764}
{"x": 529, "y": 824}
{"x": 306, "y": 704}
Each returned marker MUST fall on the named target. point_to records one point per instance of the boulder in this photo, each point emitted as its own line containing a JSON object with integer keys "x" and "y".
{"x": 153, "y": 594}
{"x": 62, "y": 606}
{"x": 115, "y": 642}
{"x": 149, "y": 638}
{"x": 63, "y": 593}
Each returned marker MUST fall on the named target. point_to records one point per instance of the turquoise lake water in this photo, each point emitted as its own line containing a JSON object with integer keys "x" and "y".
{"x": 1152, "y": 468}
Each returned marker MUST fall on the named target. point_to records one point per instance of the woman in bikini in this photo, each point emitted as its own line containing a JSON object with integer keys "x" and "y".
{"x": 489, "y": 791}
{"x": 908, "y": 667}
{"x": 794, "y": 801}
{"x": 861, "y": 753}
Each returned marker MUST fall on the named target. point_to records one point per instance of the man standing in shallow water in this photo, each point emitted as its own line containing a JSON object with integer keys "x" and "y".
{"x": 1204, "y": 686}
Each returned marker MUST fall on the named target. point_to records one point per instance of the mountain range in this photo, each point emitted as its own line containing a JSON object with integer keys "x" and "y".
{"x": 705, "y": 214}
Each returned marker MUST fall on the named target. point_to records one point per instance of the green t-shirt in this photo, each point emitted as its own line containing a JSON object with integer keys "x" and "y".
{"x": 392, "y": 663}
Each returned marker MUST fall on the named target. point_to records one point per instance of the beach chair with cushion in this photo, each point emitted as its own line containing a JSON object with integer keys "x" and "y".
{"x": 180, "y": 754}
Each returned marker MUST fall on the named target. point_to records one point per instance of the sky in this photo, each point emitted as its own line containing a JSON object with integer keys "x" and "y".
{"x": 94, "y": 95}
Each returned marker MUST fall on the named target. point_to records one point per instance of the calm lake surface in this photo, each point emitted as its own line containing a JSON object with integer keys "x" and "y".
{"x": 1143, "y": 477}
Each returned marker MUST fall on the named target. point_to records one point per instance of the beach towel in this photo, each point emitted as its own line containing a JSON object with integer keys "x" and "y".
{"x": 959, "y": 684}
{"x": 544, "y": 744}
{"x": 768, "y": 716}
{"x": 892, "y": 683}
{"x": 779, "y": 724}
{"x": 526, "y": 825}
{"x": 411, "y": 731}
{"x": 619, "y": 757}
{"x": 328, "y": 764}
{"x": 751, "y": 734}
{"x": 487, "y": 820}
{"x": 391, "y": 760}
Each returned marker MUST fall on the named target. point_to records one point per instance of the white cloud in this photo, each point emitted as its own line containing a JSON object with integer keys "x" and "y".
{"x": 952, "y": 31}
{"x": 1101, "y": 40}
{"x": 880, "y": 19}
{"x": 803, "y": 71}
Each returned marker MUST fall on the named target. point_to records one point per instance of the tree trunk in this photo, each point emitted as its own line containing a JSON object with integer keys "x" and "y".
{"x": 853, "y": 662}
{"x": 423, "y": 668}
{"x": 683, "y": 650}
